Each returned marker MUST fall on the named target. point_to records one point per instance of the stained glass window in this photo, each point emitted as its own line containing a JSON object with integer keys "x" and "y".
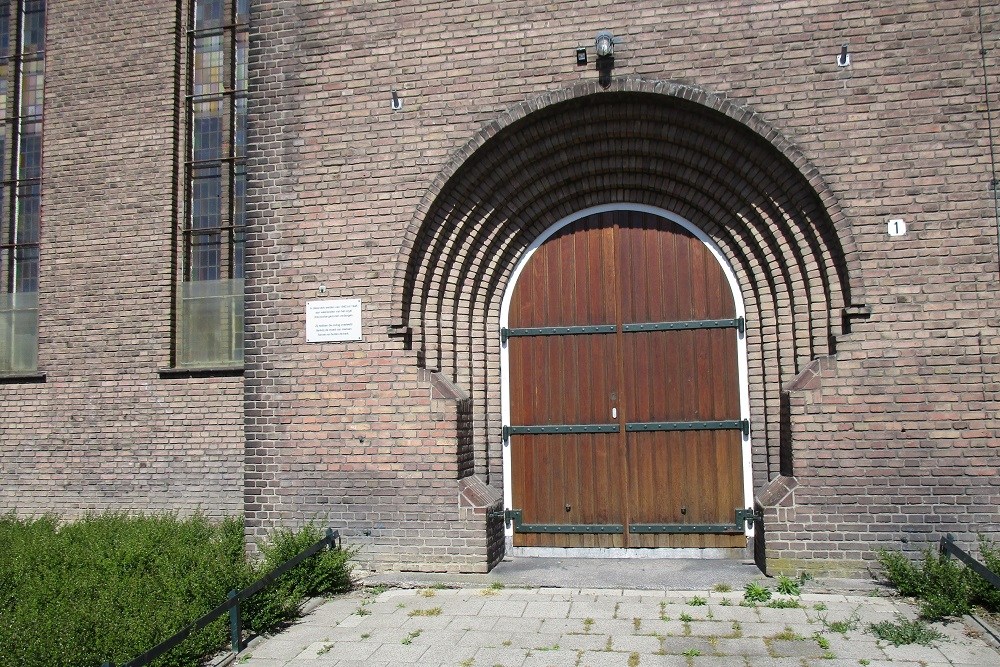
{"x": 22, "y": 84}
{"x": 211, "y": 299}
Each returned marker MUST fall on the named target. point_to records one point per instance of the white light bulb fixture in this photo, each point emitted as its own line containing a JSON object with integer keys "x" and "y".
{"x": 605, "y": 44}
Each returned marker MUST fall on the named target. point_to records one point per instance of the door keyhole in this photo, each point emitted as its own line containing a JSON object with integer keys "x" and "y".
{"x": 684, "y": 509}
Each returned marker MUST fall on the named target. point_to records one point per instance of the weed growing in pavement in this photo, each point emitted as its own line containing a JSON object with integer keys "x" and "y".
{"x": 779, "y": 603}
{"x": 788, "y": 586}
{"x": 697, "y": 601}
{"x": 433, "y": 611}
{"x": 722, "y": 588}
{"x": 904, "y": 631}
{"x": 408, "y": 639}
{"x": 842, "y": 626}
{"x": 755, "y": 593}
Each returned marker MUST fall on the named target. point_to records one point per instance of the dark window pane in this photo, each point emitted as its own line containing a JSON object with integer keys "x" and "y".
{"x": 26, "y": 269}
{"x": 4, "y": 29}
{"x": 206, "y": 139}
{"x": 33, "y": 38}
{"x": 209, "y": 13}
{"x": 242, "y": 11}
{"x": 30, "y": 151}
{"x": 205, "y": 250}
{"x": 206, "y": 199}
{"x": 28, "y": 207}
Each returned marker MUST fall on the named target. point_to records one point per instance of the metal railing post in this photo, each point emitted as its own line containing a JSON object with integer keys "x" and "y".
{"x": 329, "y": 537}
{"x": 235, "y": 629}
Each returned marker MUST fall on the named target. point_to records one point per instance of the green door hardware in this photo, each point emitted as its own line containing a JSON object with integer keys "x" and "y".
{"x": 737, "y": 323}
{"x": 726, "y": 424}
{"x": 742, "y": 517}
{"x": 514, "y": 516}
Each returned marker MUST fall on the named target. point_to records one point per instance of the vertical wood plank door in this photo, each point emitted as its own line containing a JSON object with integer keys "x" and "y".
{"x": 624, "y": 389}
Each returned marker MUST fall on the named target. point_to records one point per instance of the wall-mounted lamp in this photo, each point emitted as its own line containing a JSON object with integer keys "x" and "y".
{"x": 397, "y": 103}
{"x": 605, "y": 44}
{"x": 844, "y": 59}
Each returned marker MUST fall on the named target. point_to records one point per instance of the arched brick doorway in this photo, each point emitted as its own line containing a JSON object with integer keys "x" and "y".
{"x": 666, "y": 146}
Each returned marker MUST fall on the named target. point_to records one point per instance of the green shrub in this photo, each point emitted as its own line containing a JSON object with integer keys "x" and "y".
{"x": 326, "y": 572}
{"x": 943, "y": 586}
{"x": 110, "y": 587}
{"x": 902, "y": 572}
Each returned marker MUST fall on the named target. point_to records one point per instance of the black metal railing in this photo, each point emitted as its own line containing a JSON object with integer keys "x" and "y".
{"x": 232, "y": 606}
{"x": 949, "y": 548}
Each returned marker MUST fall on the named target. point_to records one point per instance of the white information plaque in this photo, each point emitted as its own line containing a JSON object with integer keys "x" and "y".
{"x": 333, "y": 320}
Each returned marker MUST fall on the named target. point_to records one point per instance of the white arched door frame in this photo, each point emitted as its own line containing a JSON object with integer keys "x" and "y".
{"x": 741, "y": 336}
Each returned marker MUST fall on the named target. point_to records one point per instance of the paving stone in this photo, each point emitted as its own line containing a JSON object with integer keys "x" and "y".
{"x": 592, "y": 609}
{"x": 678, "y": 645}
{"x": 340, "y": 638}
{"x": 751, "y": 646}
{"x": 341, "y": 650}
{"x": 547, "y": 609}
{"x": 504, "y": 608}
{"x": 711, "y": 628}
{"x": 914, "y": 652}
{"x": 584, "y": 642}
{"x": 506, "y": 656}
{"x": 551, "y": 659}
{"x": 970, "y": 655}
{"x": 399, "y": 653}
{"x": 642, "y": 644}
{"x": 805, "y": 648}
{"x": 465, "y": 622}
{"x": 604, "y": 659}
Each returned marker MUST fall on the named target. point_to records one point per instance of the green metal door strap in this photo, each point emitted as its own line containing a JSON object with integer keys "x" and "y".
{"x": 737, "y": 323}
{"x": 743, "y": 518}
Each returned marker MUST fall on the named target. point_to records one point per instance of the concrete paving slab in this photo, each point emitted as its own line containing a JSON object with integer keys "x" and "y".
{"x": 486, "y": 627}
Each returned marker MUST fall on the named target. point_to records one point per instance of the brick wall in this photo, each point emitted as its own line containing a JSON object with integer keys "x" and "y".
{"x": 734, "y": 114}
{"x": 105, "y": 430}
{"x": 409, "y": 211}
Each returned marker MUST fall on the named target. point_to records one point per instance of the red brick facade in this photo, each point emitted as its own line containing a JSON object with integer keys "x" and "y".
{"x": 872, "y": 359}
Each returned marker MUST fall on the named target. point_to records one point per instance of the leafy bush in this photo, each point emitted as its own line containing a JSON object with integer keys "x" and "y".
{"x": 943, "y": 585}
{"x": 109, "y": 587}
{"x": 326, "y": 572}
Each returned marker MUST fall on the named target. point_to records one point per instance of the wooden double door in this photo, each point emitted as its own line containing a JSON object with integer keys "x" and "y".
{"x": 625, "y": 426}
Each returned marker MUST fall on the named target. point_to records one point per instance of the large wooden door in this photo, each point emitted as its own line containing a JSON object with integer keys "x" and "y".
{"x": 624, "y": 389}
